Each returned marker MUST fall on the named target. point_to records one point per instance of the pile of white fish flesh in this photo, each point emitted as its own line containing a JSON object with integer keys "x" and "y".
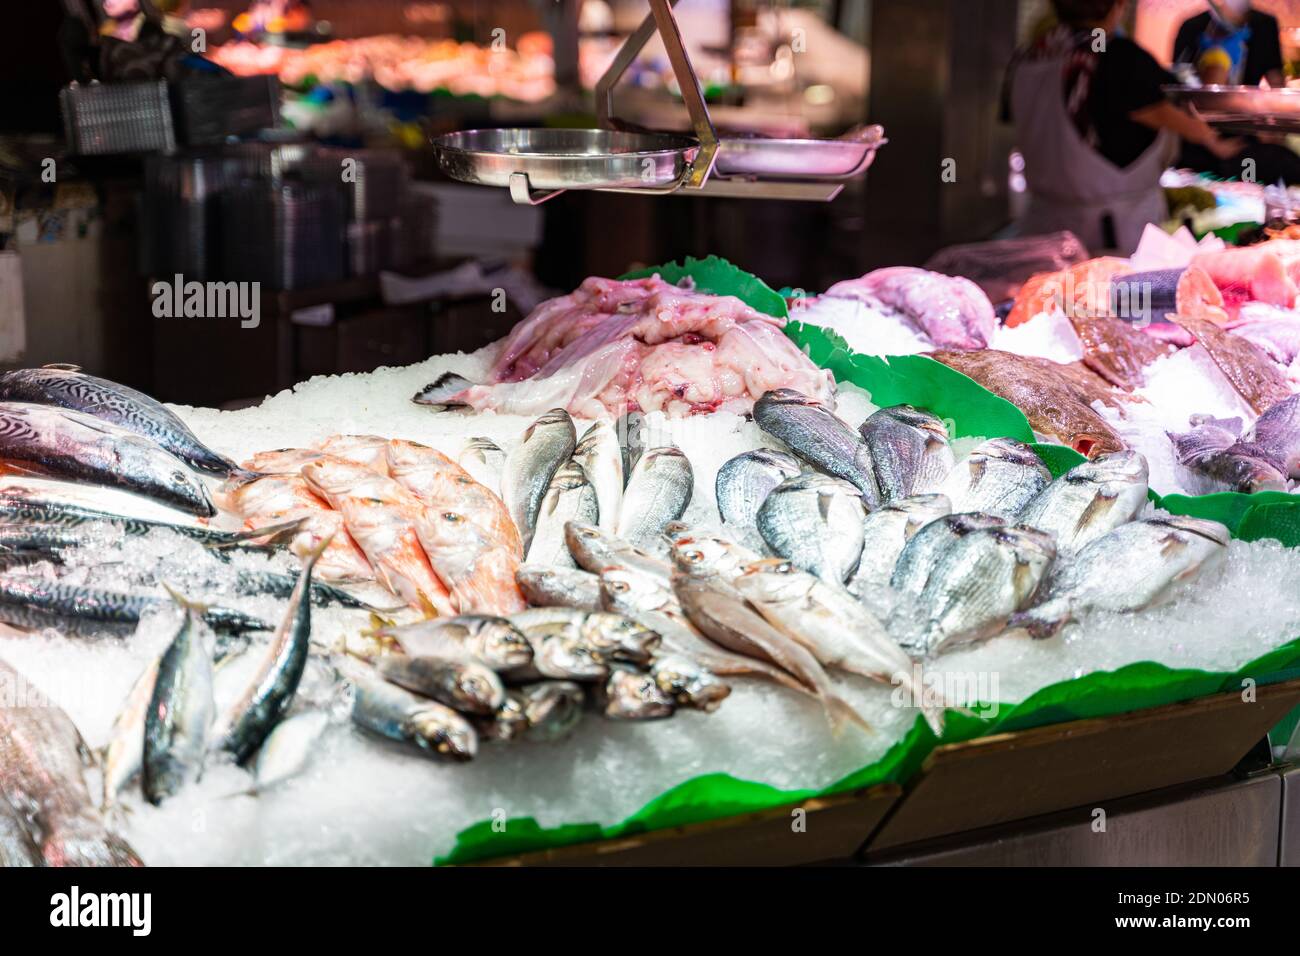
{"x": 769, "y": 584}
{"x": 639, "y": 344}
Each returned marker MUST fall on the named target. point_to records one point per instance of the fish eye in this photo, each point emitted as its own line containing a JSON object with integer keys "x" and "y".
{"x": 178, "y": 476}
{"x": 695, "y": 557}
{"x": 450, "y": 516}
{"x": 618, "y": 587}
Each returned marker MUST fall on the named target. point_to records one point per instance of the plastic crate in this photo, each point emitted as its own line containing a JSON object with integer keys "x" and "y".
{"x": 107, "y": 118}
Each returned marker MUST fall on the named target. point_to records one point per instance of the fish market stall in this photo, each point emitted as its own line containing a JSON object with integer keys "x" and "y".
{"x": 470, "y": 606}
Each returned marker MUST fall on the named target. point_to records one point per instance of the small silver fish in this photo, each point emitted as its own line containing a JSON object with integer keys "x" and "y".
{"x": 886, "y": 531}
{"x": 597, "y": 551}
{"x": 570, "y": 497}
{"x": 999, "y": 478}
{"x": 909, "y": 451}
{"x": 123, "y": 757}
{"x": 601, "y": 457}
{"x": 631, "y": 696}
{"x": 492, "y": 641}
{"x": 544, "y": 712}
{"x": 484, "y": 461}
{"x": 689, "y": 683}
{"x": 744, "y": 483}
{"x": 657, "y": 493}
{"x": 396, "y": 713}
{"x": 289, "y": 748}
{"x": 468, "y": 687}
{"x": 609, "y": 636}
{"x": 546, "y": 445}
{"x": 1090, "y": 499}
{"x": 815, "y": 522}
{"x": 559, "y": 587}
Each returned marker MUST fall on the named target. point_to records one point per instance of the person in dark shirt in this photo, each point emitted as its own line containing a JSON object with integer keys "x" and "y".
{"x": 1096, "y": 128}
{"x": 1237, "y": 46}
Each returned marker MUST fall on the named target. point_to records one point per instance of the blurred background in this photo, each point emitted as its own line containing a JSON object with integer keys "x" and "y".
{"x": 143, "y": 140}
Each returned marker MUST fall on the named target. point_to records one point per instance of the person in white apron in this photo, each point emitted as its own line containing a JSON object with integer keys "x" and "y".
{"x": 1082, "y": 169}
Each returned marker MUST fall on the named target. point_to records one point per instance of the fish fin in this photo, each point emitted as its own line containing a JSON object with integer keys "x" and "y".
{"x": 62, "y": 366}
{"x": 934, "y": 717}
{"x": 1043, "y": 621}
{"x": 272, "y": 531}
{"x": 184, "y": 602}
{"x": 841, "y": 712}
{"x": 441, "y": 392}
{"x": 242, "y": 476}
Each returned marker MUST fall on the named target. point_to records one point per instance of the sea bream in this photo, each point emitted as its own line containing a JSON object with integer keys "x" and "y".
{"x": 600, "y": 456}
{"x": 596, "y": 551}
{"x": 56, "y": 442}
{"x": 1090, "y": 499}
{"x": 484, "y": 461}
{"x": 978, "y": 585}
{"x": 43, "y": 791}
{"x": 68, "y": 387}
{"x": 909, "y": 451}
{"x": 546, "y": 445}
{"x": 920, "y": 555}
{"x": 1133, "y": 567}
{"x": 570, "y": 498}
{"x": 999, "y": 477}
{"x": 658, "y": 493}
{"x": 816, "y": 522}
{"x": 886, "y": 531}
{"x": 382, "y": 517}
{"x": 811, "y": 430}
{"x": 743, "y": 484}
{"x": 559, "y": 587}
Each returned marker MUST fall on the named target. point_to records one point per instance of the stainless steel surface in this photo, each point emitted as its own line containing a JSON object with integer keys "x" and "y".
{"x": 1230, "y": 823}
{"x": 801, "y": 159}
{"x": 671, "y": 35}
{"x": 1289, "y": 849}
{"x": 565, "y": 158}
{"x": 1243, "y": 108}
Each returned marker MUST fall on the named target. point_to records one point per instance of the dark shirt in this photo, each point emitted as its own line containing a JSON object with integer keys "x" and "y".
{"x": 1102, "y": 89}
{"x": 1263, "y": 49}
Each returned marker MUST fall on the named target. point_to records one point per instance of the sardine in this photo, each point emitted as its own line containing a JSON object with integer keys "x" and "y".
{"x": 657, "y": 493}
{"x": 999, "y": 478}
{"x": 288, "y": 748}
{"x": 609, "y": 636}
{"x": 1090, "y": 499}
{"x": 917, "y": 561}
{"x": 838, "y": 630}
{"x": 180, "y": 712}
{"x": 559, "y": 587}
{"x": 909, "y": 451}
{"x": 815, "y": 522}
{"x": 1131, "y": 568}
{"x": 558, "y": 655}
{"x": 547, "y": 444}
{"x": 484, "y": 461}
{"x": 468, "y": 687}
{"x": 397, "y": 714}
{"x": 727, "y": 620}
{"x": 885, "y": 533}
{"x": 571, "y": 497}
{"x": 35, "y": 602}
{"x": 979, "y": 583}
{"x": 814, "y": 434}
{"x": 546, "y": 711}
{"x": 596, "y": 551}
{"x": 744, "y": 482}
{"x": 599, "y": 454}
{"x": 266, "y": 700}
{"x": 627, "y": 695}
{"x": 43, "y": 790}
{"x": 69, "y": 387}
{"x": 123, "y": 758}
{"x": 492, "y": 641}
{"x": 68, "y": 445}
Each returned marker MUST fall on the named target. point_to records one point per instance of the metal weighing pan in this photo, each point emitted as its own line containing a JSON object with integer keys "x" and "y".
{"x": 1243, "y": 109}
{"x": 555, "y": 159}
{"x": 801, "y": 159}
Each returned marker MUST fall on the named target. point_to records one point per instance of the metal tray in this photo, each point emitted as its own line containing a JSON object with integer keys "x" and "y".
{"x": 554, "y": 159}
{"x": 1243, "y": 109}
{"x": 800, "y": 159}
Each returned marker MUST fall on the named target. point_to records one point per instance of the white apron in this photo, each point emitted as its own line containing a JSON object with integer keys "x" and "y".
{"x": 1071, "y": 185}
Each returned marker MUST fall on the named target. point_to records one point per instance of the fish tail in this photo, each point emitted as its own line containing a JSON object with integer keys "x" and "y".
{"x": 271, "y": 531}
{"x": 840, "y": 713}
{"x": 1043, "y": 621}
{"x": 242, "y": 476}
{"x": 182, "y": 601}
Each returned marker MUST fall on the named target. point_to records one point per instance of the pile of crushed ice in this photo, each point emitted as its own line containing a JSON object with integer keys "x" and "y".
{"x": 363, "y": 801}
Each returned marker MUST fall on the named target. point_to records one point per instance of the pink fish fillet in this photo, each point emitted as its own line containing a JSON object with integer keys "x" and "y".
{"x": 1252, "y": 274}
